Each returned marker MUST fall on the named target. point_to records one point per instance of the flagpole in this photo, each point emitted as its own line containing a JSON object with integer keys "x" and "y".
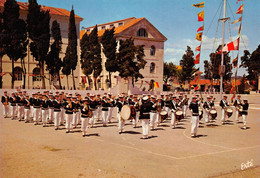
{"x": 222, "y": 54}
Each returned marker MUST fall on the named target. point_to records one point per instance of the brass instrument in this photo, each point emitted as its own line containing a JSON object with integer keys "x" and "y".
{"x": 6, "y": 102}
{"x": 70, "y": 104}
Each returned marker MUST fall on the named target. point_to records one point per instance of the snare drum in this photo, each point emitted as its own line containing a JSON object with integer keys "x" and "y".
{"x": 213, "y": 113}
{"x": 229, "y": 111}
{"x": 164, "y": 115}
{"x": 179, "y": 115}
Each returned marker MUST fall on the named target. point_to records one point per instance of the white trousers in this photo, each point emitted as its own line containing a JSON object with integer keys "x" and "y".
{"x": 145, "y": 126}
{"x": 173, "y": 119}
{"x": 105, "y": 117}
{"x": 110, "y": 113}
{"x": 168, "y": 110}
{"x": 68, "y": 118}
{"x": 5, "y": 110}
{"x": 244, "y": 119}
{"x": 51, "y": 115}
{"x": 36, "y": 115}
{"x": 75, "y": 119}
{"x": 237, "y": 114}
{"x": 206, "y": 116}
{"x": 223, "y": 115}
{"x": 31, "y": 113}
{"x": 57, "y": 118}
{"x": 44, "y": 116}
{"x": 153, "y": 117}
{"x": 121, "y": 122}
{"x": 185, "y": 108}
{"x": 92, "y": 119}
{"x": 194, "y": 124}
{"x": 62, "y": 116}
{"x": 20, "y": 113}
{"x": 136, "y": 120}
{"x": 99, "y": 113}
{"x": 13, "y": 111}
{"x": 27, "y": 113}
{"x": 84, "y": 124}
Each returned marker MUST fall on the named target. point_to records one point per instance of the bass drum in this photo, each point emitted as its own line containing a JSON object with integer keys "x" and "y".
{"x": 164, "y": 115}
{"x": 125, "y": 112}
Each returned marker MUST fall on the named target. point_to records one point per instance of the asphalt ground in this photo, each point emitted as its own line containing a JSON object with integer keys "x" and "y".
{"x": 219, "y": 150}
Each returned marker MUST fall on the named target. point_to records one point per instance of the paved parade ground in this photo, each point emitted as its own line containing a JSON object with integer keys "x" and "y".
{"x": 219, "y": 150}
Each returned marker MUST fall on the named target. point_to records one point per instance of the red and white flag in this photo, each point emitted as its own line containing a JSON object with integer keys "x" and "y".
{"x": 197, "y": 59}
{"x": 234, "y": 45}
{"x": 240, "y": 9}
{"x": 197, "y": 48}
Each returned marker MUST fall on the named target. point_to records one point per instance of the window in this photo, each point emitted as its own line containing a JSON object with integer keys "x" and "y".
{"x": 142, "y": 33}
{"x": 152, "y": 67}
{"x": 152, "y": 51}
{"x": 120, "y": 23}
{"x": 103, "y": 27}
{"x": 36, "y": 74}
{"x": 111, "y": 26}
{"x": 18, "y": 73}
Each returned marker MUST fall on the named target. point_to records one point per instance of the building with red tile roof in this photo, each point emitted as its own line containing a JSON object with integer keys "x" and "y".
{"x": 143, "y": 33}
{"x": 32, "y": 81}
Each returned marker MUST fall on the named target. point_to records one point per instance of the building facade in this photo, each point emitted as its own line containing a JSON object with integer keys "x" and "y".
{"x": 143, "y": 33}
{"x": 32, "y": 70}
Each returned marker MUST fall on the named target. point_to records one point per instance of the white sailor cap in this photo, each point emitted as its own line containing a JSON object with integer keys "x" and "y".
{"x": 145, "y": 98}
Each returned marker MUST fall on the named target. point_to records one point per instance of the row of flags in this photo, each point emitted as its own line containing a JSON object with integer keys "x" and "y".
{"x": 199, "y": 31}
{"x": 234, "y": 45}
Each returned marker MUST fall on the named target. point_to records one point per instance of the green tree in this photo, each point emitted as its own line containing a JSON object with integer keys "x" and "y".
{"x": 3, "y": 42}
{"x": 242, "y": 86}
{"x": 71, "y": 55}
{"x": 109, "y": 43}
{"x": 96, "y": 56}
{"x": 188, "y": 69}
{"x": 15, "y": 28}
{"x": 169, "y": 70}
{"x": 252, "y": 64}
{"x": 53, "y": 59}
{"x": 130, "y": 60}
{"x": 38, "y": 26}
{"x": 86, "y": 59}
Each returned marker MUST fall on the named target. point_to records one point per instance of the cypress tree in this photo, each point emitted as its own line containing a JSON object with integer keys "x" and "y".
{"x": 96, "y": 57}
{"x": 91, "y": 55}
{"x": 38, "y": 26}
{"x": 53, "y": 59}
{"x": 71, "y": 55}
{"x": 86, "y": 59}
{"x": 109, "y": 43}
{"x": 15, "y": 29}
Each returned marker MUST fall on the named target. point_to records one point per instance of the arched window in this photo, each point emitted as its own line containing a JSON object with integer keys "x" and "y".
{"x": 18, "y": 73}
{"x": 152, "y": 50}
{"x": 142, "y": 33}
{"x": 152, "y": 67}
{"x": 36, "y": 74}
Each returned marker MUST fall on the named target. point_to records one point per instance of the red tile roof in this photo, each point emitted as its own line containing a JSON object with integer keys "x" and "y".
{"x": 53, "y": 10}
{"x": 118, "y": 29}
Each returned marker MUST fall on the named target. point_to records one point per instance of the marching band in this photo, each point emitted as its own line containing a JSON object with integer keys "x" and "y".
{"x": 64, "y": 109}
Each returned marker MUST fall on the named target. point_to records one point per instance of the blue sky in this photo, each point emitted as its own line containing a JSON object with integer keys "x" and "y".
{"x": 176, "y": 19}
